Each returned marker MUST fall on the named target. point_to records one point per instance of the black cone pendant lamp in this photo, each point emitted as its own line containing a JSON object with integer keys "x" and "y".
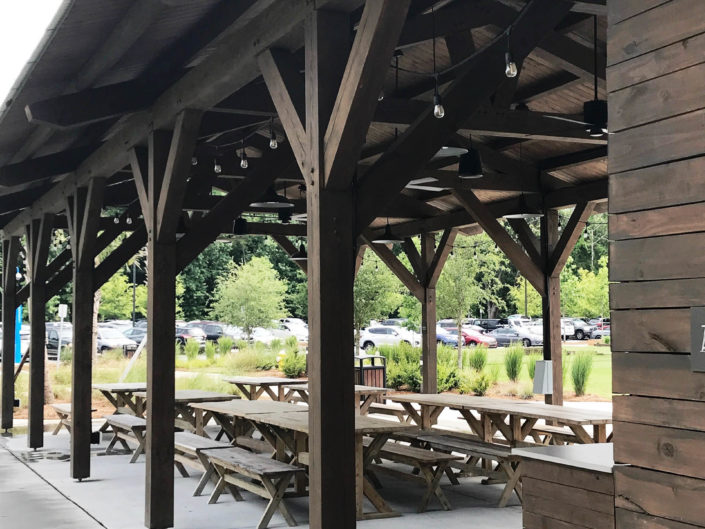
{"x": 387, "y": 236}
{"x": 272, "y": 200}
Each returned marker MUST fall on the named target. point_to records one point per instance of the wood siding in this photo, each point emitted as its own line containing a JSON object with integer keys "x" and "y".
{"x": 656, "y": 81}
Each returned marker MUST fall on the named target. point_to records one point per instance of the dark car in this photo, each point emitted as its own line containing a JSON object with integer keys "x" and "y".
{"x": 136, "y": 333}
{"x": 214, "y": 330}
{"x": 53, "y": 340}
{"x": 190, "y": 333}
{"x": 489, "y": 324}
{"x": 509, "y": 335}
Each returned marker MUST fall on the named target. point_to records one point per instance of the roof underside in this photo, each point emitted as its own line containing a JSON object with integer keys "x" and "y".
{"x": 153, "y": 43}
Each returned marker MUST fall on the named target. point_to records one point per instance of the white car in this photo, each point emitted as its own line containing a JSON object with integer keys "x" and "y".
{"x": 373, "y": 337}
{"x": 295, "y": 326}
{"x": 266, "y": 336}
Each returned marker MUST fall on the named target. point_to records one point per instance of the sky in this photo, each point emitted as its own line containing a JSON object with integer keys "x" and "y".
{"x": 22, "y": 25}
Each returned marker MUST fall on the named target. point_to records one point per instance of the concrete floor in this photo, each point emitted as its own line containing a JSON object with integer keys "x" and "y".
{"x": 36, "y": 491}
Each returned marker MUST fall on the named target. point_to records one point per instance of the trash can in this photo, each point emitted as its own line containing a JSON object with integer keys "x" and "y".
{"x": 374, "y": 374}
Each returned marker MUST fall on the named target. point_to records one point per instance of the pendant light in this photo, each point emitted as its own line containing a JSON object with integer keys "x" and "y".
{"x": 595, "y": 111}
{"x": 510, "y": 67}
{"x": 438, "y": 111}
{"x": 300, "y": 254}
{"x": 271, "y": 200}
{"x": 387, "y": 236}
{"x": 470, "y": 164}
{"x": 524, "y": 210}
{"x": 217, "y": 168}
{"x": 272, "y": 135}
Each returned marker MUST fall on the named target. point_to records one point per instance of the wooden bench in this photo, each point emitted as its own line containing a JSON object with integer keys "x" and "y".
{"x": 431, "y": 466}
{"x": 188, "y": 448}
{"x": 508, "y": 466}
{"x": 256, "y": 473}
{"x": 63, "y": 410}
{"x": 390, "y": 409}
{"x": 127, "y": 429}
{"x": 553, "y": 435}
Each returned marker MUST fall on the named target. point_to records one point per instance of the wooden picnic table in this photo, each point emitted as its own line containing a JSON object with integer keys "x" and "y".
{"x": 185, "y": 417}
{"x": 122, "y": 396}
{"x": 254, "y": 387}
{"x": 365, "y": 395}
{"x": 289, "y": 426}
{"x": 513, "y": 419}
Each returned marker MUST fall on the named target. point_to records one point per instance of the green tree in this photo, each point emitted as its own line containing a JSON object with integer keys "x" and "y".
{"x": 200, "y": 278}
{"x": 377, "y": 293}
{"x": 250, "y": 295}
{"x": 534, "y": 306}
{"x": 457, "y": 290}
{"x": 116, "y": 298}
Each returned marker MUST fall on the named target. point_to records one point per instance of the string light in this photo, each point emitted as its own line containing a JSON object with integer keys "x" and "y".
{"x": 272, "y": 136}
{"x": 194, "y": 160}
{"x": 217, "y": 168}
{"x": 438, "y": 110}
{"x": 510, "y": 67}
{"x": 243, "y": 157}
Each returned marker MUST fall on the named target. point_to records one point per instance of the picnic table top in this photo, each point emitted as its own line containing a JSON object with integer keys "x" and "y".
{"x": 121, "y": 387}
{"x": 528, "y": 409}
{"x": 359, "y": 389}
{"x": 265, "y": 381}
{"x": 299, "y": 422}
{"x": 245, "y": 408}
{"x": 194, "y": 395}
{"x": 598, "y": 456}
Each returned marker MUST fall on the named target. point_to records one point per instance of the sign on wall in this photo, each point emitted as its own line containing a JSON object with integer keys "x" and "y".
{"x": 697, "y": 339}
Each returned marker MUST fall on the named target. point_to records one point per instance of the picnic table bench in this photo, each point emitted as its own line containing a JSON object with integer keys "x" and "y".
{"x": 431, "y": 466}
{"x": 127, "y": 429}
{"x": 121, "y": 396}
{"x": 63, "y": 410}
{"x": 188, "y": 448}
{"x": 253, "y": 388}
{"x": 377, "y": 408}
{"x": 258, "y": 474}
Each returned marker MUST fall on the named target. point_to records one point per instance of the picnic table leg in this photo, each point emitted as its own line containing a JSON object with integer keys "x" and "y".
{"x": 581, "y": 434}
{"x": 276, "y": 493}
{"x": 599, "y": 433}
{"x": 300, "y": 480}
{"x": 433, "y": 479}
{"x": 198, "y": 419}
{"x": 208, "y": 474}
{"x": 140, "y": 448}
{"x": 513, "y": 483}
{"x": 359, "y": 474}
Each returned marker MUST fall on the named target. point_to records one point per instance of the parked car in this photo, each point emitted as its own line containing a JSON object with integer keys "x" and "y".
{"x": 518, "y": 320}
{"x": 296, "y": 327}
{"x": 600, "y": 323}
{"x": 184, "y": 333}
{"x": 394, "y": 322}
{"x": 53, "y": 339}
{"x": 446, "y": 338}
{"x": 373, "y": 337}
{"x": 601, "y": 333}
{"x": 136, "y": 334}
{"x": 24, "y": 341}
{"x": 509, "y": 335}
{"x": 473, "y": 338}
{"x": 583, "y": 330}
{"x": 110, "y": 338}
{"x": 213, "y": 329}
{"x": 488, "y": 324}
{"x": 266, "y": 336}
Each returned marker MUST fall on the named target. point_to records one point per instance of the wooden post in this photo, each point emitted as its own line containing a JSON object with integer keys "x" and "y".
{"x": 551, "y": 304}
{"x": 160, "y": 177}
{"x": 10, "y": 250}
{"x": 429, "y": 347}
{"x": 82, "y": 213}
{"x": 38, "y": 234}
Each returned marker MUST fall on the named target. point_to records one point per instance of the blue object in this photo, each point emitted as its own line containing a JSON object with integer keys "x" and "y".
{"x": 18, "y": 342}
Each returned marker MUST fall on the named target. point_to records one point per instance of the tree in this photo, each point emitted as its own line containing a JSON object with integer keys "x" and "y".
{"x": 116, "y": 299}
{"x": 525, "y": 291}
{"x": 377, "y": 293}
{"x": 457, "y": 290}
{"x": 250, "y": 295}
{"x": 200, "y": 277}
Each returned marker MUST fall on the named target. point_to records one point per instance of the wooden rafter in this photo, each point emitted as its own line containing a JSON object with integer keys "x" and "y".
{"x": 290, "y": 249}
{"x": 397, "y": 267}
{"x": 528, "y": 239}
{"x": 569, "y": 237}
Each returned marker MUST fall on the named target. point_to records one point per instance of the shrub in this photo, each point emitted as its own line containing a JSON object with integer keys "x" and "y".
{"x": 447, "y": 376}
{"x": 292, "y": 343}
{"x": 513, "y": 361}
{"x": 293, "y": 365}
{"x": 527, "y": 392}
{"x": 606, "y": 339}
{"x": 404, "y": 375}
{"x": 494, "y": 375}
{"x": 251, "y": 359}
{"x": 447, "y": 355}
{"x": 241, "y": 345}
{"x": 210, "y": 351}
{"x": 402, "y": 353}
{"x": 531, "y": 366}
{"x": 580, "y": 371}
{"x": 275, "y": 345}
{"x": 478, "y": 358}
{"x": 191, "y": 348}
{"x": 480, "y": 384}
{"x": 225, "y": 344}
{"x": 66, "y": 354}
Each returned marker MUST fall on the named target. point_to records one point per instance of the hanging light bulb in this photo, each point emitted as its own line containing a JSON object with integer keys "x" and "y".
{"x": 380, "y": 97}
{"x": 510, "y": 67}
{"x": 128, "y": 220}
{"x": 438, "y": 110}
{"x": 116, "y": 220}
{"x": 194, "y": 160}
{"x": 243, "y": 157}
{"x": 272, "y": 136}
{"x": 217, "y": 168}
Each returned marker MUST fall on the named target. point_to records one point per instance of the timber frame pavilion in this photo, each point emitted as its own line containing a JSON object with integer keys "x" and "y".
{"x": 130, "y": 105}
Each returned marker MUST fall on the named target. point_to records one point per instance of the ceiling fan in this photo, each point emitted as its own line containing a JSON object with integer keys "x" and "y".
{"x": 595, "y": 111}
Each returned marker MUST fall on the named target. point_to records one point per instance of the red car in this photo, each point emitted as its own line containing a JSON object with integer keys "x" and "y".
{"x": 473, "y": 338}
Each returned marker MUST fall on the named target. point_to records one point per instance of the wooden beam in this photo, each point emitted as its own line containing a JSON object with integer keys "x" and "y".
{"x": 566, "y": 196}
{"x": 528, "y": 240}
{"x": 290, "y": 249}
{"x": 38, "y": 237}
{"x": 119, "y": 256}
{"x": 396, "y": 266}
{"x": 44, "y": 167}
{"x": 273, "y": 228}
{"x": 499, "y": 235}
{"x": 414, "y": 257}
{"x": 547, "y": 86}
{"x": 568, "y": 161}
{"x": 419, "y": 143}
{"x": 286, "y": 86}
{"x": 367, "y": 66}
{"x": 10, "y": 251}
{"x": 445, "y": 246}
{"x": 429, "y": 345}
{"x": 82, "y": 213}
{"x": 571, "y": 234}
{"x": 551, "y": 308}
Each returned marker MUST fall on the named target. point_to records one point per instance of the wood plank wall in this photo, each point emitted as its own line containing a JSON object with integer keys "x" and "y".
{"x": 656, "y": 83}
